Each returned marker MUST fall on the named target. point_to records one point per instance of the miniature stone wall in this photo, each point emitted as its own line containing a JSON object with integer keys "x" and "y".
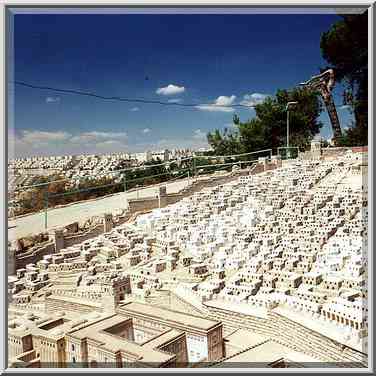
{"x": 143, "y": 204}
{"x": 54, "y": 304}
{"x": 81, "y": 237}
{"x": 33, "y": 255}
{"x": 335, "y": 152}
{"x": 330, "y": 152}
{"x": 292, "y": 335}
{"x": 65, "y": 237}
{"x": 11, "y": 261}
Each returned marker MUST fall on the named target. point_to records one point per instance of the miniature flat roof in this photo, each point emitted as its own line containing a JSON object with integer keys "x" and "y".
{"x": 26, "y": 326}
{"x": 158, "y": 313}
{"x": 72, "y": 299}
{"x": 241, "y": 307}
{"x": 264, "y": 353}
{"x": 107, "y": 341}
{"x": 162, "y": 339}
{"x": 244, "y": 338}
{"x": 102, "y": 324}
{"x": 313, "y": 274}
{"x": 322, "y": 328}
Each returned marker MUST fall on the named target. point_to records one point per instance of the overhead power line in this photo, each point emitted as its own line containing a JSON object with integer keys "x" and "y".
{"x": 129, "y": 100}
{"x": 132, "y": 100}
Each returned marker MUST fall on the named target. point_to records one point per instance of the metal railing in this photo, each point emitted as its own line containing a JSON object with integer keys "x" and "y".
{"x": 144, "y": 167}
{"x": 290, "y": 152}
{"x": 191, "y": 172}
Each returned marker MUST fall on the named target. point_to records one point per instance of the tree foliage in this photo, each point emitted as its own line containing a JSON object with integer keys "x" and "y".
{"x": 345, "y": 48}
{"x": 59, "y": 193}
{"x": 268, "y": 129}
{"x": 224, "y": 143}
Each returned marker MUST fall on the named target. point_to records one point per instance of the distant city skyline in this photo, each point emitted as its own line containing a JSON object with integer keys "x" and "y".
{"x": 117, "y": 153}
{"x": 203, "y": 59}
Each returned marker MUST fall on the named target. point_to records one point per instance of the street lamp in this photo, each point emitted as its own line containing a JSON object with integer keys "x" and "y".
{"x": 288, "y": 125}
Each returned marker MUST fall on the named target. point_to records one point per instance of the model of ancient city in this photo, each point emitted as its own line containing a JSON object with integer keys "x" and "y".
{"x": 266, "y": 268}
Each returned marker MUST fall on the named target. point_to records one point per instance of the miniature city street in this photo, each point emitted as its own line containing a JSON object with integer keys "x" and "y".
{"x": 268, "y": 268}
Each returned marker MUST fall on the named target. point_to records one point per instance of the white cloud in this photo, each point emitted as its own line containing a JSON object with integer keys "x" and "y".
{"x": 198, "y": 134}
{"x": 36, "y": 142}
{"x": 110, "y": 142}
{"x": 16, "y": 145}
{"x": 188, "y": 142}
{"x": 195, "y": 141}
{"x": 253, "y": 99}
{"x": 221, "y": 104}
{"x": 177, "y": 100}
{"x": 134, "y": 109}
{"x": 41, "y": 137}
{"x": 95, "y": 136}
{"x": 170, "y": 90}
{"x": 52, "y": 99}
{"x": 212, "y": 108}
{"x": 107, "y": 143}
{"x": 44, "y": 143}
{"x": 225, "y": 101}
{"x": 109, "y": 134}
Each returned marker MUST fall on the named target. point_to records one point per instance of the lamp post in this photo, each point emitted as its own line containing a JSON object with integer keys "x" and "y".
{"x": 288, "y": 126}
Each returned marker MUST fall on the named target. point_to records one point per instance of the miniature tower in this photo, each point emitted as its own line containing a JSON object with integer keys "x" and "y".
{"x": 162, "y": 196}
{"x": 11, "y": 260}
{"x": 263, "y": 162}
{"x": 107, "y": 222}
{"x": 316, "y": 149}
{"x": 58, "y": 237}
{"x": 276, "y": 160}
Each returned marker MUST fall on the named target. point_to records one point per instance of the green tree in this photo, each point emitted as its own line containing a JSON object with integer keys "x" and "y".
{"x": 345, "y": 48}
{"x": 224, "y": 143}
{"x": 268, "y": 128}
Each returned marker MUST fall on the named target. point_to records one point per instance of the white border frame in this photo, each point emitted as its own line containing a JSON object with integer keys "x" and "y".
{"x": 187, "y": 4}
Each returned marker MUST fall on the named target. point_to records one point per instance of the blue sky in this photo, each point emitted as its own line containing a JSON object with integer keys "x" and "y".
{"x": 201, "y": 59}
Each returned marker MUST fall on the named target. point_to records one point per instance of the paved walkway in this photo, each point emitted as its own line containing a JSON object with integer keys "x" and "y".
{"x": 34, "y": 223}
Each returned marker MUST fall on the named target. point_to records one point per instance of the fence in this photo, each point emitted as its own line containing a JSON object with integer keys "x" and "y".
{"x": 290, "y": 152}
{"x": 191, "y": 169}
{"x": 192, "y": 165}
